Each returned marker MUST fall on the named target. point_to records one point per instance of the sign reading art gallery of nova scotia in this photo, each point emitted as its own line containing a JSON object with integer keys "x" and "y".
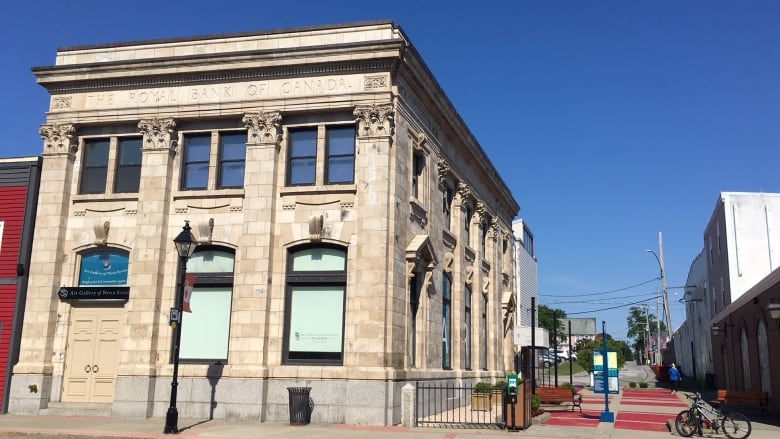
{"x": 94, "y": 293}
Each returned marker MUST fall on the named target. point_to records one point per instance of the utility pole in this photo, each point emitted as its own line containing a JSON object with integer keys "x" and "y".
{"x": 658, "y": 330}
{"x": 663, "y": 285}
{"x": 647, "y": 335}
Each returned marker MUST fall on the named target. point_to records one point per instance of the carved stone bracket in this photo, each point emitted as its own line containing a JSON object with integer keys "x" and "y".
{"x": 264, "y": 128}
{"x": 419, "y": 143}
{"x": 58, "y": 139}
{"x": 205, "y": 231}
{"x": 444, "y": 172}
{"x": 484, "y": 214}
{"x": 101, "y": 229}
{"x": 316, "y": 224}
{"x": 486, "y": 287}
{"x": 158, "y": 133}
{"x": 466, "y": 195}
{"x": 448, "y": 260}
{"x": 375, "y": 120}
{"x": 469, "y": 275}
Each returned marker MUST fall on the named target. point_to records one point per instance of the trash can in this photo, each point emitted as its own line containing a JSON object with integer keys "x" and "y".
{"x": 300, "y": 405}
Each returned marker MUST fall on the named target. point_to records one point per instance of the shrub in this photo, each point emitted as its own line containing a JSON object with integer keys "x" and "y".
{"x": 483, "y": 387}
{"x": 499, "y": 385}
{"x": 535, "y": 403}
{"x": 643, "y": 385}
{"x": 632, "y": 384}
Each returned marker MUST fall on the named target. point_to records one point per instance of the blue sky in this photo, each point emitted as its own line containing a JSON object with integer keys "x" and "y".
{"x": 610, "y": 121}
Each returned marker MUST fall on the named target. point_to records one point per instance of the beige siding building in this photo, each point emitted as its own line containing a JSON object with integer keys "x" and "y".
{"x": 352, "y": 234}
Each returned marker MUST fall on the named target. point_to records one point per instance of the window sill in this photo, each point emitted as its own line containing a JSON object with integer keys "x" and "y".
{"x": 419, "y": 213}
{"x": 208, "y": 193}
{"x": 86, "y": 198}
{"x": 319, "y": 189}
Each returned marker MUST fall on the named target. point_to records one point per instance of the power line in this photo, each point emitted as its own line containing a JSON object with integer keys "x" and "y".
{"x": 606, "y": 309}
{"x": 597, "y": 301}
{"x": 601, "y": 292}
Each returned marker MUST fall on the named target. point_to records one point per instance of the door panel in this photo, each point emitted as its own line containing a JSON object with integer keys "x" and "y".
{"x": 90, "y": 367}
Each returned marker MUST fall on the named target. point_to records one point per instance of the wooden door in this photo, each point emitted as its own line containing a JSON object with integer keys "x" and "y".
{"x": 91, "y": 361}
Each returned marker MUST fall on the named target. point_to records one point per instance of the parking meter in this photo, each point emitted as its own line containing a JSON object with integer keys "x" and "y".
{"x": 511, "y": 388}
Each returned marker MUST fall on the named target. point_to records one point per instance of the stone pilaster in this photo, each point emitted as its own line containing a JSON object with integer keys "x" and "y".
{"x": 257, "y": 247}
{"x": 142, "y": 348}
{"x": 369, "y": 319}
{"x": 48, "y": 257}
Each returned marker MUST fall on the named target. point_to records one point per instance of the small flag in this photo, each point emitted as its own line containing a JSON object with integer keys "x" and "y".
{"x": 189, "y": 283}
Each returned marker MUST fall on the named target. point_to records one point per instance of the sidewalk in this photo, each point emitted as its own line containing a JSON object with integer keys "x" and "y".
{"x": 639, "y": 414}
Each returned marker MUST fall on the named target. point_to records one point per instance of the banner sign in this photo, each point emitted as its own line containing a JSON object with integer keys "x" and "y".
{"x": 613, "y": 374}
{"x": 94, "y": 293}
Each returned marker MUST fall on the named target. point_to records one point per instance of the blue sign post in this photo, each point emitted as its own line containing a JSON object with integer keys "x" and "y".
{"x": 606, "y": 415}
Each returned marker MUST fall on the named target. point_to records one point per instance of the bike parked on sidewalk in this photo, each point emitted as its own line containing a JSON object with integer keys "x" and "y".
{"x": 701, "y": 415}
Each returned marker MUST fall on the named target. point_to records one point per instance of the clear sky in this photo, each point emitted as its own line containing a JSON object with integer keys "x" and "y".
{"x": 610, "y": 120}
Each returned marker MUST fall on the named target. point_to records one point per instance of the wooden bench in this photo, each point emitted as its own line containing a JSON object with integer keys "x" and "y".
{"x": 742, "y": 398}
{"x": 558, "y": 395}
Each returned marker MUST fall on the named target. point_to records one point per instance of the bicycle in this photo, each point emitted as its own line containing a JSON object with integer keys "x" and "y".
{"x": 700, "y": 415}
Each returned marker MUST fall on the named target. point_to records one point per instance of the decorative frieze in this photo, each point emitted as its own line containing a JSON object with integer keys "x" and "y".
{"x": 375, "y": 120}
{"x": 61, "y": 102}
{"x": 59, "y": 139}
{"x": 372, "y": 82}
{"x": 263, "y": 128}
{"x": 158, "y": 133}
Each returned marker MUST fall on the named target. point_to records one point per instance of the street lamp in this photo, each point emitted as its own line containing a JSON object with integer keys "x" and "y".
{"x": 185, "y": 246}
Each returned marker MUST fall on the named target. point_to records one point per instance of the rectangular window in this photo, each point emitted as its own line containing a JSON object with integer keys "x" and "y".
{"x": 418, "y": 164}
{"x": 467, "y": 328}
{"x": 449, "y": 195}
{"x": 485, "y": 229}
{"x": 197, "y": 150}
{"x": 484, "y": 333}
{"x": 302, "y": 162}
{"x": 341, "y": 155}
{"x": 415, "y": 288}
{"x": 95, "y": 168}
{"x": 469, "y": 216}
{"x": 128, "y": 169}
{"x": 446, "y": 323}
{"x": 232, "y": 157}
{"x": 206, "y": 330}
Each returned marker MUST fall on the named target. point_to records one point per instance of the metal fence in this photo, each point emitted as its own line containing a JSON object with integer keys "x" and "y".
{"x": 448, "y": 405}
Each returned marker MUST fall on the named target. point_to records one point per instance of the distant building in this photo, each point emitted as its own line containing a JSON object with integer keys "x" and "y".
{"x": 526, "y": 270}
{"x": 19, "y": 182}
{"x": 730, "y": 338}
{"x": 352, "y": 234}
{"x": 742, "y": 243}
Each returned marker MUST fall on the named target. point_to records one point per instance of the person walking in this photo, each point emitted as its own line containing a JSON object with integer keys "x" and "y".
{"x": 674, "y": 378}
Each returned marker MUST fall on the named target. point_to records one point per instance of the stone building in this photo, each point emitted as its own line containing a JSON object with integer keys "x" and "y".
{"x": 352, "y": 234}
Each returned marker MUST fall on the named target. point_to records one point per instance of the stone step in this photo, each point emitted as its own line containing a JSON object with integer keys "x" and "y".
{"x": 77, "y": 409}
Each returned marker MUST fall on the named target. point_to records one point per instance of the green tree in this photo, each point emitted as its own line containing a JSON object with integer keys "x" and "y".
{"x": 637, "y": 327}
{"x": 585, "y": 354}
{"x": 545, "y": 318}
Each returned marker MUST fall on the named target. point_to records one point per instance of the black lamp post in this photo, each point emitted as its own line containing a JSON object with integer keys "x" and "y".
{"x": 185, "y": 246}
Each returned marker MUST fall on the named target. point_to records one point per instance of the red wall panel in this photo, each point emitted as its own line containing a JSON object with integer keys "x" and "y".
{"x": 12, "y": 205}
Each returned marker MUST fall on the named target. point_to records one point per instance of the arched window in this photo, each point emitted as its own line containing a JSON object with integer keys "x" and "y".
{"x": 104, "y": 267}
{"x": 205, "y": 331}
{"x": 314, "y": 306}
{"x": 746, "y": 383}
{"x": 763, "y": 359}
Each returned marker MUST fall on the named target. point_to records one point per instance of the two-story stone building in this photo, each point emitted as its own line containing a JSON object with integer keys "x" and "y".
{"x": 352, "y": 234}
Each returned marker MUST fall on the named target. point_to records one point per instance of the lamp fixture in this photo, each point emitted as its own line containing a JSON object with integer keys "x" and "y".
{"x": 716, "y": 329}
{"x": 773, "y": 309}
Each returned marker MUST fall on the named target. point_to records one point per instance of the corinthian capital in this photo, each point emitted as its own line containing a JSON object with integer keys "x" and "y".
{"x": 375, "y": 120}
{"x": 484, "y": 213}
{"x": 157, "y": 133}
{"x": 58, "y": 139}
{"x": 263, "y": 128}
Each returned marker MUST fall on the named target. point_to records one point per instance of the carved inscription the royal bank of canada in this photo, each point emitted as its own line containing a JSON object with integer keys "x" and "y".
{"x": 204, "y": 94}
